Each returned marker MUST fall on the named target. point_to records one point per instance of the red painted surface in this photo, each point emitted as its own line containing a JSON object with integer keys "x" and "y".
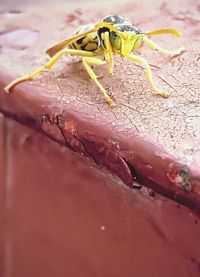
{"x": 63, "y": 214}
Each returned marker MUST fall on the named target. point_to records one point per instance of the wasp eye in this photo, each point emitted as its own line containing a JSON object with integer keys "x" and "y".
{"x": 114, "y": 35}
{"x": 115, "y": 40}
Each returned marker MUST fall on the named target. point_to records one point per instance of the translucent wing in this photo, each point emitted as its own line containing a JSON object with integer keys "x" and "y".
{"x": 66, "y": 42}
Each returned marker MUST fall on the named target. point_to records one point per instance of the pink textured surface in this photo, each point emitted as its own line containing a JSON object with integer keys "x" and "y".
{"x": 159, "y": 138}
{"x": 69, "y": 217}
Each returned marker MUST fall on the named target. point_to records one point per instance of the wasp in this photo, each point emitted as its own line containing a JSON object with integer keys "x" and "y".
{"x": 98, "y": 43}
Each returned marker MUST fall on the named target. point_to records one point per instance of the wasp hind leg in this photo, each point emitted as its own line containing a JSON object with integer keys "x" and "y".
{"x": 49, "y": 64}
{"x": 148, "y": 73}
{"x": 94, "y": 77}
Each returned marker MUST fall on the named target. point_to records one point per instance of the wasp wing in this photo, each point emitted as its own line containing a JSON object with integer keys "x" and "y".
{"x": 66, "y": 42}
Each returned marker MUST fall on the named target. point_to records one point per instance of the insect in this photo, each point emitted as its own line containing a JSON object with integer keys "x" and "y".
{"x": 98, "y": 43}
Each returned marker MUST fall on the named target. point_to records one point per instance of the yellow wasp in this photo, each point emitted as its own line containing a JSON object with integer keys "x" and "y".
{"x": 113, "y": 35}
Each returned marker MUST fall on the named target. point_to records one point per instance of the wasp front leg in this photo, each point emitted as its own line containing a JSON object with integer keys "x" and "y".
{"x": 97, "y": 61}
{"x": 108, "y": 52}
{"x": 154, "y": 46}
{"x": 49, "y": 64}
{"x": 148, "y": 73}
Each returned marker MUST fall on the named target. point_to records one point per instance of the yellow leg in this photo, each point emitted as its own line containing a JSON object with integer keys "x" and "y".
{"x": 97, "y": 61}
{"x": 108, "y": 52}
{"x": 148, "y": 73}
{"x": 153, "y": 45}
{"x": 49, "y": 64}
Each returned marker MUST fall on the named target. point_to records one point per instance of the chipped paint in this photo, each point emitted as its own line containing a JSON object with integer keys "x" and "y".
{"x": 181, "y": 178}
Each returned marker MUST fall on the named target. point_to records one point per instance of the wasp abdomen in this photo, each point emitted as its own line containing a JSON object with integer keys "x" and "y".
{"x": 86, "y": 43}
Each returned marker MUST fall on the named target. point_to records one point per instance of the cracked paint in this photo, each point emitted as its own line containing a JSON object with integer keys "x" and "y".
{"x": 105, "y": 154}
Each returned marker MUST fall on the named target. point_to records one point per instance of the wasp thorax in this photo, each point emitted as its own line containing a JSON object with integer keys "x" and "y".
{"x": 129, "y": 29}
{"x": 116, "y": 19}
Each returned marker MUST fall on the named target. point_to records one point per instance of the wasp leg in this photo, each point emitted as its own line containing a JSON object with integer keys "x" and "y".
{"x": 153, "y": 45}
{"x": 97, "y": 61}
{"x": 49, "y": 64}
{"x": 148, "y": 73}
{"x": 108, "y": 52}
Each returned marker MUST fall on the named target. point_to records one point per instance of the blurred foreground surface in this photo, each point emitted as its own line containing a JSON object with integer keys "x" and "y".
{"x": 65, "y": 216}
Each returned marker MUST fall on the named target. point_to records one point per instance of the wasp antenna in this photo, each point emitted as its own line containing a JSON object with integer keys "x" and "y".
{"x": 164, "y": 31}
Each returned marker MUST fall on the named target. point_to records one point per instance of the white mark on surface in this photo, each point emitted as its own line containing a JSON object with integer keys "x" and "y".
{"x": 170, "y": 103}
{"x": 103, "y": 228}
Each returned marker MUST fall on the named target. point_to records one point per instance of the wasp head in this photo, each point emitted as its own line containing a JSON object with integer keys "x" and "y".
{"x": 126, "y": 39}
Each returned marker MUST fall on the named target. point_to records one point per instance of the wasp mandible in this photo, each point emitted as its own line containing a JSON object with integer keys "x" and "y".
{"x": 98, "y": 43}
